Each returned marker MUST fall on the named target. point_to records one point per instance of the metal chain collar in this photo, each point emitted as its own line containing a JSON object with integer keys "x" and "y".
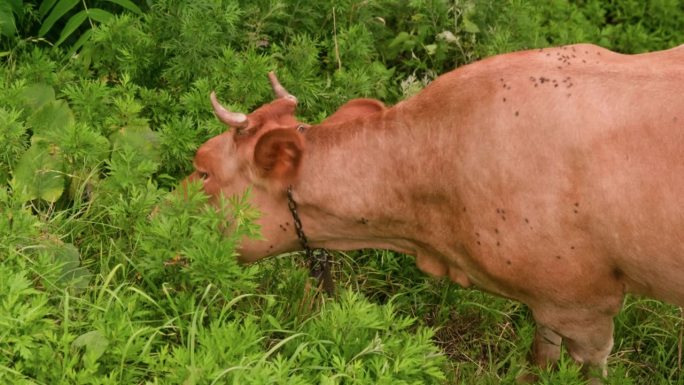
{"x": 319, "y": 259}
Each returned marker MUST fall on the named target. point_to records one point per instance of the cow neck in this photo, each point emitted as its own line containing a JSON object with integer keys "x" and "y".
{"x": 346, "y": 187}
{"x": 319, "y": 263}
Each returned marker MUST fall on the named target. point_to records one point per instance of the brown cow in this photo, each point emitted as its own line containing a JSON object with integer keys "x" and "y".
{"x": 554, "y": 177}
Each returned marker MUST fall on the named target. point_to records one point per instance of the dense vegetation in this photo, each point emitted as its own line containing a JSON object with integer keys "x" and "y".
{"x": 102, "y": 105}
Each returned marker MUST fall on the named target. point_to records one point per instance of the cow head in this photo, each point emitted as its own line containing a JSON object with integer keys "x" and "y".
{"x": 262, "y": 150}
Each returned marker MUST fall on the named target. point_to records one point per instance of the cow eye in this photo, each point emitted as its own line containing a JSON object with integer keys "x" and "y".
{"x": 203, "y": 175}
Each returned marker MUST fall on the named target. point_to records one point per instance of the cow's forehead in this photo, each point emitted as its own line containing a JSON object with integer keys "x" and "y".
{"x": 278, "y": 113}
{"x": 216, "y": 146}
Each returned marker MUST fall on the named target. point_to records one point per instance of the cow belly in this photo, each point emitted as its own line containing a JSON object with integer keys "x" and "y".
{"x": 581, "y": 250}
{"x": 581, "y": 218}
{"x": 437, "y": 267}
{"x": 587, "y": 256}
{"x": 650, "y": 258}
{"x": 657, "y": 276}
{"x": 638, "y": 213}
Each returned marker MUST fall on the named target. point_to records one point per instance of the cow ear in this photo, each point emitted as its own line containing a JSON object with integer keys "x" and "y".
{"x": 277, "y": 155}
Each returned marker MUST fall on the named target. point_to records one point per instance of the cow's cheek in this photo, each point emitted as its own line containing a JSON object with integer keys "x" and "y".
{"x": 211, "y": 188}
{"x": 270, "y": 242}
{"x": 277, "y": 234}
{"x": 251, "y": 250}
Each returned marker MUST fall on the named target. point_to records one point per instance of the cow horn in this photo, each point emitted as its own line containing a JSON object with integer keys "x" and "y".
{"x": 233, "y": 119}
{"x": 278, "y": 88}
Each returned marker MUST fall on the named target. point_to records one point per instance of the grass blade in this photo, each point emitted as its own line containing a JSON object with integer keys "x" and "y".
{"x": 226, "y": 371}
{"x": 60, "y": 10}
{"x": 45, "y": 7}
{"x": 80, "y": 42}
{"x": 128, "y": 5}
{"x": 99, "y": 15}
{"x": 279, "y": 344}
{"x": 679, "y": 340}
{"x": 8, "y": 26}
{"x": 16, "y": 6}
{"x": 71, "y": 26}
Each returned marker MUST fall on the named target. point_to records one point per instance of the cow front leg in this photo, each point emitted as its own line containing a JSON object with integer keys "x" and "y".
{"x": 591, "y": 349}
{"x": 545, "y": 353}
{"x": 588, "y": 338}
{"x": 546, "y": 347}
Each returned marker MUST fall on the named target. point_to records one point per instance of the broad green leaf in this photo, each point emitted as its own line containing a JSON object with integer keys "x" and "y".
{"x": 273, "y": 322}
{"x": 45, "y": 7}
{"x": 94, "y": 342}
{"x": 37, "y": 95}
{"x": 38, "y": 174}
{"x": 76, "y": 21}
{"x": 71, "y": 26}
{"x": 401, "y": 43}
{"x": 64, "y": 259}
{"x": 431, "y": 49}
{"x": 72, "y": 274}
{"x": 7, "y": 23}
{"x": 17, "y": 6}
{"x": 400, "y": 39}
{"x": 62, "y": 7}
{"x": 51, "y": 121}
{"x": 141, "y": 138}
{"x": 128, "y": 5}
{"x": 79, "y": 43}
{"x": 469, "y": 26}
{"x": 99, "y": 15}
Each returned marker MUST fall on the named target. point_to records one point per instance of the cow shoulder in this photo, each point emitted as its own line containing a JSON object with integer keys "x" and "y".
{"x": 355, "y": 108}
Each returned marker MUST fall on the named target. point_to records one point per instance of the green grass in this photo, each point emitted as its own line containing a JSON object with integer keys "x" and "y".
{"x": 106, "y": 278}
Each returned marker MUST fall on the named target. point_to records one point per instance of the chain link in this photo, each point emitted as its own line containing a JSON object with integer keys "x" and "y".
{"x": 319, "y": 266}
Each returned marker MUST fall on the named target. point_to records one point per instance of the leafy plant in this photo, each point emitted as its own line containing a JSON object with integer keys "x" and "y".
{"x": 9, "y": 11}
{"x": 26, "y": 324}
{"x": 51, "y": 11}
{"x": 13, "y": 141}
